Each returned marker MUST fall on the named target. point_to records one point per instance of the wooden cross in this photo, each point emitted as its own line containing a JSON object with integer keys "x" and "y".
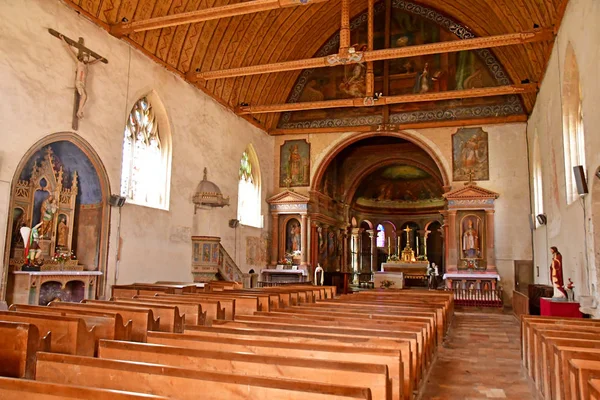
{"x": 81, "y": 52}
{"x": 407, "y": 230}
{"x": 471, "y": 175}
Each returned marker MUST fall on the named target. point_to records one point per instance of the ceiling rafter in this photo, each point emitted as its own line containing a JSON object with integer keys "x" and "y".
{"x": 509, "y": 39}
{"x": 206, "y": 14}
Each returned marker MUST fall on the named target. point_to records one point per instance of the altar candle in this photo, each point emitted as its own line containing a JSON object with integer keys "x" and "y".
{"x": 398, "y": 243}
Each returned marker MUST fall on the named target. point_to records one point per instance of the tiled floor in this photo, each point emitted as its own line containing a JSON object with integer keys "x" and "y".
{"x": 479, "y": 360}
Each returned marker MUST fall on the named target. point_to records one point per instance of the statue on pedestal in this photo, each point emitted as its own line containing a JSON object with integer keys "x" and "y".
{"x": 470, "y": 241}
{"x": 33, "y": 253}
{"x": 48, "y": 209}
{"x": 556, "y": 275}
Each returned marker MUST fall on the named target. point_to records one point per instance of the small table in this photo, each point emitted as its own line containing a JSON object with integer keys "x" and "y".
{"x": 283, "y": 275}
{"x": 551, "y": 308}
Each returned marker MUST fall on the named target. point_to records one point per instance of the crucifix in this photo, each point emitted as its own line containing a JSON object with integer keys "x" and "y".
{"x": 83, "y": 58}
{"x": 471, "y": 175}
{"x": 407, "y": 230}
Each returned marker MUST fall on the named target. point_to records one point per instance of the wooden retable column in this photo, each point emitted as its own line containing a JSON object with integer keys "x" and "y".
{"x": 489, "y": 244}
{"x": 275, "y": 239}
{"x": 452, "y": 243}
{"x": 304, "y": 241}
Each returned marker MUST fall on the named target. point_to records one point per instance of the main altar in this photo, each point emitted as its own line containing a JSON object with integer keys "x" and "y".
{"x": 402, "y": 269}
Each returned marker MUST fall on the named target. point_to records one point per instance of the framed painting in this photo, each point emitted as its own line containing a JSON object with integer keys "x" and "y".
{"x": 294, "y": 163}
{"x": 470, "y": 156}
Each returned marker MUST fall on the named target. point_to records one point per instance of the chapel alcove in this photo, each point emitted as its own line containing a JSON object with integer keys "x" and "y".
{"x": 393, "y": 188}
{"x": 60, "y": 186}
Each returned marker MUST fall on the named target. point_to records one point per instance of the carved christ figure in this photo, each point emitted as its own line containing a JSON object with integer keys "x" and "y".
{"x": 48, "y": 209}
{"x": 556, "y": 274}
{"x": 82, "y": 62}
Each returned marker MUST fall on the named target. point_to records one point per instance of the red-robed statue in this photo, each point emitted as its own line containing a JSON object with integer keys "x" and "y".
{"x": 556, "y": 274}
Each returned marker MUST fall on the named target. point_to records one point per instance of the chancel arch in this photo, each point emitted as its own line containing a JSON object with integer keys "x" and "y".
{"x": 61, "y": 189}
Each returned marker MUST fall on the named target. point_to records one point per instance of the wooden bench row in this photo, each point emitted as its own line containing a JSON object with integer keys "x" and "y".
{"x": 562, "y": 356}
{"x": 368, "y": 345}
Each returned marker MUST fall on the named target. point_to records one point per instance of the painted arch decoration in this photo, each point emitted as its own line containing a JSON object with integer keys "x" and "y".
{"x": 412, "y": 24}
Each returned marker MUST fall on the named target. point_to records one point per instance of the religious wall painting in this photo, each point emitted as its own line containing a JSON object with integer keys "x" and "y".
{"x": 293, "y": 237}
{"x": 294, "y": 163}
{"x": 411, "y": 25}
{"x": 470, "y": 155}
{"x": 215, "y": 253}
{"x": 206, "y": 253}
{"x": 400, "y": 186}
{"x": 55, "y": 191}
{"x": 256, "y": 250}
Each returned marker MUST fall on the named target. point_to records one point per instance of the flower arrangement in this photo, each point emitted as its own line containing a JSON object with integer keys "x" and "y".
{"x": 393, "y": 257}
{"x": 386, "y": 284}
{"x": 61, "y": 257}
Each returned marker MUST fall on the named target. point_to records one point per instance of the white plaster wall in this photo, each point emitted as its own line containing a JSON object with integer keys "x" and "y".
{"x": 508, "y": 177}
{"x": 566, "y": 222}
{"x": 36, "y": 86}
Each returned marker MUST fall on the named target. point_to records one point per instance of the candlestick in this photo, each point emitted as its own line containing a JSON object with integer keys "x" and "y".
{"x": 398, "y": 247}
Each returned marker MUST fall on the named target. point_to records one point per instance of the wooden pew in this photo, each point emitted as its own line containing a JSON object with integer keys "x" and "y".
{"x": 182, "y": 383}
{"x": 170, "y": 319}
{"x": 243, "y": 304}
{"x": 402, "y": 331}
{"x": 150, "y": 289}
{"x": 228, "y": 303}
{"x": 580, "y": 372}
{"x": 594, "y": 388}
{"x": 142, "y": 318}
{"x": 190, "y": 313}
{"x": 70, "y": 335}
{"x": 562, "y": 356}
{"x": 20, "y": 389}
{"x": 107, "y": 325}
{"x": 19, "y": 343}
{"x": 372, "y": 376}
{"x": 212, "y": 308}
{"x": 322, "y": 351}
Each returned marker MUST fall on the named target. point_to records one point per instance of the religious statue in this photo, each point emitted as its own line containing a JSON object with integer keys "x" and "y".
{"x": 82, "y": 62}
{"x": 295, "y": 237}
{"x": 470, "y": 241}
{"x": 33, "y": 252}
{"x": 556, "y": 275}
{"x": 48, "y": 209}
{"x": 62, "y": 233}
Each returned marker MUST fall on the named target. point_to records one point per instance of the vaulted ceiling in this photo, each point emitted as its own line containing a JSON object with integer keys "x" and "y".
{"x": 299, "y": 32}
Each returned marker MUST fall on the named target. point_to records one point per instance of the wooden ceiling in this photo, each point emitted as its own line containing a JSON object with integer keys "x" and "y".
{"x": 299, "y": 32}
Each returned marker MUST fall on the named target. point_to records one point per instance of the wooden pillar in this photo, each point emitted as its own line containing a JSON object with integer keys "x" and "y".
{"x": 355, "y": 252}
{"x": 308, "y": 240}
{"x": 373, "y": 236}
{"x": 489, "y": 241}
{"x": 304, "y": 241}
{"x": 345, "y": 27}
{"x": 452, "y": 243}
{"x": 370, "y": 78}
{"x": 275, "y": 239}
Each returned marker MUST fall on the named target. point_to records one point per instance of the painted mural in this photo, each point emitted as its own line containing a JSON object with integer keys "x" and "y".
{"x": 400, "y": 186}
{"x": 59, "y": 196}
{"x": 294, "y": 163}
{"x": 257, "y": 250}
{"x": 470, "y": 155}
{"x": 411, "y": 25}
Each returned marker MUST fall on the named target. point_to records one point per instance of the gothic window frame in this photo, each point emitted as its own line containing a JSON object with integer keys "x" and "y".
{"x": 147, "y": 121}
{"x": 572, "y": 116}
{"x": 249, "y": 211}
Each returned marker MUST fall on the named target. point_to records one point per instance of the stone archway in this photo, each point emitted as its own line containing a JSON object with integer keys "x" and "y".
{"x": 426, "y": 145}
{"x": 76, "y": 159}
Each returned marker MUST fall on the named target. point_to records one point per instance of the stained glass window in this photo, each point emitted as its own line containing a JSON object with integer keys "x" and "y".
{"x": 143, "y": 159}
{"x": 249, "y": 201}
{"x": 380, "y": 236}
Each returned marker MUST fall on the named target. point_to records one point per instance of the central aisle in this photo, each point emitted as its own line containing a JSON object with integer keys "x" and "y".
{"x": 480, "y": 359}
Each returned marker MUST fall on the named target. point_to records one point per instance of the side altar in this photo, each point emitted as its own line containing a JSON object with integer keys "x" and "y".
{"x": 42, "y": 263}
{"x": 469, "y": 235}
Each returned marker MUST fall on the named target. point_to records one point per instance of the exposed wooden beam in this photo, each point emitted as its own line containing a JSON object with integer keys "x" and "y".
{"x": 509, "y": 39}
{"x": 230, "y": 10}
{"x": 388, "y": 100}
{"x": 345, "y": 27}
{"x": 370, "y": 76}
{"x": 398, "y": 127}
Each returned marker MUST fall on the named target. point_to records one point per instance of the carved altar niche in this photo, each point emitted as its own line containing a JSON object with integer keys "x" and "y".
{"x": 45, "y": 189}
{"x": 469, "y": 225}
{"x": 289, "y": 212}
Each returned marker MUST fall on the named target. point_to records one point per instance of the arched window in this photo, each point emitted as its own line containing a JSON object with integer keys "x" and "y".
{"x": 573, "y": 135}
{"x": 146, "y": 156}
{"x": 538, "y": 192}
{"x": 380, "y": 236}
{"x": 249, "y": 201}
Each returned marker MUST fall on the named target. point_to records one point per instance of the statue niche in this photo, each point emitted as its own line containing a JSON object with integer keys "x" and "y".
{"x": 45, "y": 203}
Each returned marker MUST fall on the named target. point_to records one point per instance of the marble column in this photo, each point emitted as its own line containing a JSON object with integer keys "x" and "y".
{"x": 304, "y": 241}
{"x": 373, "y": 236}
{"x": 356, "y": 232}
{"x": 489, "y": 240}
{"x": 452, "y": 242}
{"x": 275, "y": 239}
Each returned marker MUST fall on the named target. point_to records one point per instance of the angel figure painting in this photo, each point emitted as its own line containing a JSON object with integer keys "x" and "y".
{"x": 470, "y": 156}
